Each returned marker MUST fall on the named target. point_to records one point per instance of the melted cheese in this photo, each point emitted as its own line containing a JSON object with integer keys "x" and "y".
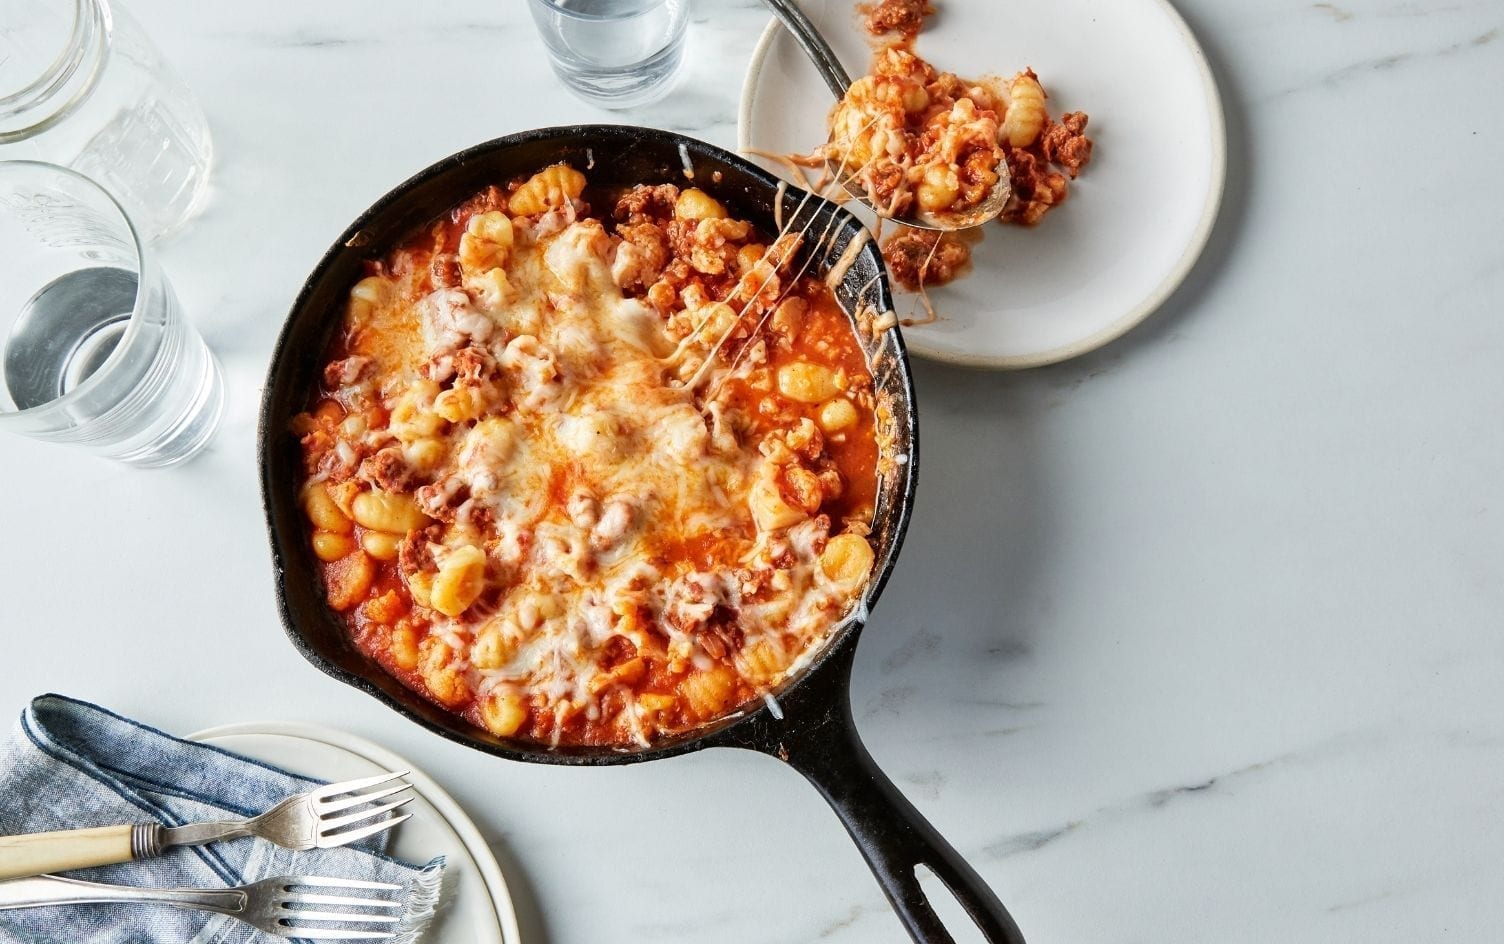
{"x": 585, "y": 462}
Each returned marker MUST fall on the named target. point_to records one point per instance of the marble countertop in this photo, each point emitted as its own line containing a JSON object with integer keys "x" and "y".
{"x": 1196, "y": 638}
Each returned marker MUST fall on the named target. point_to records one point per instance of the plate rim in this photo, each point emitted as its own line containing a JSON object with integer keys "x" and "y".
{"x": 1151, "y": 303}
{"x": 454, "y": 815}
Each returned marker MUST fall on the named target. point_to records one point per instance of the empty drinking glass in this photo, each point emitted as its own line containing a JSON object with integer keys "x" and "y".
{"x": 82, "y": 86}
{"x": 614, "y": 53}
{"x": 94, "y": 350}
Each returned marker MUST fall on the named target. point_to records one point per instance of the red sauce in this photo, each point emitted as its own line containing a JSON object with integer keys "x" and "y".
{"x": 386, "y": 625}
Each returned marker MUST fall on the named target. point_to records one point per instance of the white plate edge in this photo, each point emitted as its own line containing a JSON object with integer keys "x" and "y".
{"x": 454, "y": 815}
{"x": 1150, "y": 303}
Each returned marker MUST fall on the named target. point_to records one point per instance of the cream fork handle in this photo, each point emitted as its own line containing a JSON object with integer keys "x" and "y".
{"x": 62, "y": 851}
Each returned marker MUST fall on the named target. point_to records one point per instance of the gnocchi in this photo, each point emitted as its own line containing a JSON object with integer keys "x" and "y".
{"x": 696, "y": 204}
{"x": 527, "y": 506}
{"x": 460, "y": 579}
{"x": 487, "y": 242}
{"x": 553, "y": 186}
{"x": 1025, "y": 118}
{"x": 807, "y": 382}
{"x": 387, "y": 511}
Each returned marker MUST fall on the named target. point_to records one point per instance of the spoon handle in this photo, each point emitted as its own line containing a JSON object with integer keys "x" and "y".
{"x": 814, "y": 45}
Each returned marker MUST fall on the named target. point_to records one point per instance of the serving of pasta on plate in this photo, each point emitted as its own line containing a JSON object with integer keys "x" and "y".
{"x": 917, "y": 138}
{"x": 1102, "y": 221}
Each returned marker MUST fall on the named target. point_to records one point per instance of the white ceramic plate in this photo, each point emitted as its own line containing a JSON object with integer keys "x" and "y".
{"x": 476, "y": 908}
{"x": 1135, "y": 220}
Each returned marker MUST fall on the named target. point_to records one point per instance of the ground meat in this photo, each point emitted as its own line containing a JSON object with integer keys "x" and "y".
{"x": 469, "y": 366}
{"x": 889, "y": 188}
{"x": 1065, "y": 143}
{"x": 473, "y": 514}
{"x": 441, "y": 499}
{"x": 413, "y": 554}
{"x": 711, "y": 246}
{"x": 897, "y": 16}
{"x": 640, "y": 257}
{"x": 918, "y": 257}
{"x": 387, "y": 470}
{"x": 978, "y": 175}
{"x": 316, "y": 444}
{"x": 473, "y": 365}
{"x": 618, "y": 649}
{"x": 445, "y": 270}
{"x": 492, "y": 198}
{"x": 753, "y": 582}
{"x": 1036, "y": 188}
{"x": 721, "y": 636}
{"x": 346, "y": 371}
{"x": 647, "y": 204}
{"x": 340, "y": 462}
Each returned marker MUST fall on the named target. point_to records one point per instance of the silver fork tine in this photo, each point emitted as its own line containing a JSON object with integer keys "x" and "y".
{"x": 334, "y": 806}
{"x": 299, "y": 822}
{"x": 350, "y": 786}
{"x": 337, "y": 934}
{"x": 274, "y": 905}
{"x": 340, "y": 900}
{"x": 292, "y": 921}
{"x": 298, "y": 914}
{"x": 328, "y": 826}
{"x": 326, "y": 881}
{"x": 355, "y": 835}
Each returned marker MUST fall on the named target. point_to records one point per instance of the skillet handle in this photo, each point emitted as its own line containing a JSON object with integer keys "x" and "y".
{"x": 893, "y": 837}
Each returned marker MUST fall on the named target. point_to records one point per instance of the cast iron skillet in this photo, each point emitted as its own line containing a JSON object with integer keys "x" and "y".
{"x": 813, "y": 730}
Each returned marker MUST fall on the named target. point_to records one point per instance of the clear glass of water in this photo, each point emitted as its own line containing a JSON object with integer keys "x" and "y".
{"x": 81, "y": 85}
{"x": 614, "y": 53}
{"x": 94, "y": 350}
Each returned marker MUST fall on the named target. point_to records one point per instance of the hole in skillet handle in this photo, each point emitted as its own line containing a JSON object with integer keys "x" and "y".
{"x": 817, "y": 737}
{"x": 952, "y": 913}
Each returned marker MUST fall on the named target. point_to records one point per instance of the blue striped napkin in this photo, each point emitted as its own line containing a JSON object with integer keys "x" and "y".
{"x": 70, "y": 764}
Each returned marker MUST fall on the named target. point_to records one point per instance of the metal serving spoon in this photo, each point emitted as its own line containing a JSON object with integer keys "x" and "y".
{"x": 838, "y": 81}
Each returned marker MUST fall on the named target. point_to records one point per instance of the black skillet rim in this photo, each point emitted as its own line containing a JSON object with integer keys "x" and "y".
{"x": 735, "y": 729}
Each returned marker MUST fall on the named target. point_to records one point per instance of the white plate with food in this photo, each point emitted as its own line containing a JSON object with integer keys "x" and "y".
{"x": 1134, "y": 221}
{"x": 476, "y": 906}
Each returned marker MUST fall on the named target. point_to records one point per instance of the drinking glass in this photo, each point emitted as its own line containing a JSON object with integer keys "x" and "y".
{"x": 81, "y": 85}
{"x": 94, "y": 350}
{"x": 614, "y": 53}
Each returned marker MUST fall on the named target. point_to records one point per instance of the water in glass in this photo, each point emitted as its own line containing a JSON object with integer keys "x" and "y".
{"x": 614, "y": 53}
{"x": 94, "y": 349}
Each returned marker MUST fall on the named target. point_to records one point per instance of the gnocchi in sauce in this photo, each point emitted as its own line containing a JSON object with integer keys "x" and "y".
{"x": 586, "y": 467}
{"x": 923, "y": 138}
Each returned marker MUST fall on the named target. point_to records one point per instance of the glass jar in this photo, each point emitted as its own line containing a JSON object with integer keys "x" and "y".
{"x": 94, "y": 349}
{"x": 82, "y": 86}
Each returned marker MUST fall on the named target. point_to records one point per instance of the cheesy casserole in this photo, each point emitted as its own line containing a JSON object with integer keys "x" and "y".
{"x": 916, "y": 139}
{"x": 589, "y": 467}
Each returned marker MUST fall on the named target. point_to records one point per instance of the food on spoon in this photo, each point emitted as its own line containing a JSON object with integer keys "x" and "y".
{"x": 591, "y": 468}
{"x": 917, "y": 138}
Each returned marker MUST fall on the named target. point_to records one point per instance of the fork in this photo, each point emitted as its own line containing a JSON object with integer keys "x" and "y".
{"x": 300, "y": 822}
{"x": 275, "y": 905}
